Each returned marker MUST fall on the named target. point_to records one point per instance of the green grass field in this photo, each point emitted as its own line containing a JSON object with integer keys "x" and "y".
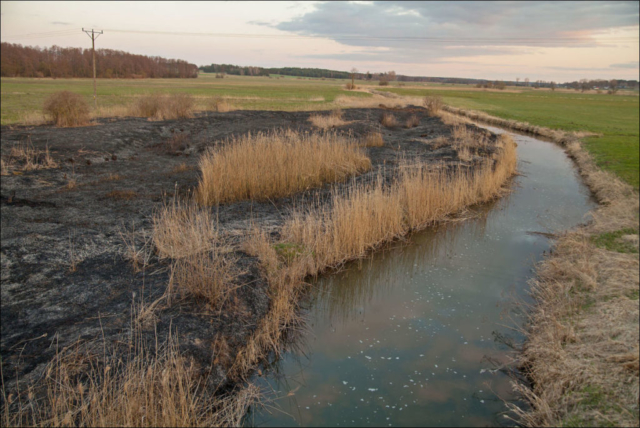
{"x": 613, "y": 116}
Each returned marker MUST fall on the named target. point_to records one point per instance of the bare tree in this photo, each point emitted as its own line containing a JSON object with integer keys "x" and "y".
{"x": 584, "y": 85}
{"x": 552, "y": 85}
{"x": 517, "y": 80}
{"x": 526, "y": 81}
{"x": 613, "y": 86}
{"x": 392, "y": 75}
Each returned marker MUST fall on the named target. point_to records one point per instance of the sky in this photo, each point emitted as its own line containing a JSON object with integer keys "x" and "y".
{"x": 559, "y": 41}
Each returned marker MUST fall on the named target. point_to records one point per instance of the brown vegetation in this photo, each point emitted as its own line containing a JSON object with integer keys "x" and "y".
{"x": 373, "y": 139}
{"x": 388, "y": 120}
{"x": 146, "y": 388}
{"x": 276, "y": 164}
{"x": 121, "y": 194}
{"x": 25, "y": 157}
{"x": 412, "y": 122}
{"x": 163, "y": 107}
{"x": 218, "y": 104}
{"x": 67, "y": 109}
{"x": 328, "y": 121}
{"x": 433, "y": 104}
{"x": 369, "y": 214}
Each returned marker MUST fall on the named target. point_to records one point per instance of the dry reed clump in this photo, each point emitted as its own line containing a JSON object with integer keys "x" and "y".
{"x": 142, "y": 388}
{"x": 164, "y": 107}
{"x": 412, "y": 122}
{"x": 372, "y": 139}
{"x": 350, "y": 86}
{"x": 276, "y": 164}
{"x": 328, "y": 121}
{"x": 433, "y": 104}
{"x": 218, "y": 104}
{"x": 183, "y": 229}
{"x": 67, "y": 109}
{"x": 388, "y": 120}
{"x": 25, "y": 157}
{"x": 370, "y": 214}
{"x": 207, "y": 275}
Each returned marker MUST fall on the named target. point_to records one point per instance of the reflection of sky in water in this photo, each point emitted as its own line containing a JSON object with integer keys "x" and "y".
{"x": 403, "y": 338}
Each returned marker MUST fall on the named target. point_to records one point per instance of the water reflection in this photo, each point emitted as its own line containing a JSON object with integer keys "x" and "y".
{"x": 408, "y": 337}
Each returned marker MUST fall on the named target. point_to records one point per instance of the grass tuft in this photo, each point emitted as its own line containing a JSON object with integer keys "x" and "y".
{"x": 276, "y": 164}
{"x": 67, "y": 109}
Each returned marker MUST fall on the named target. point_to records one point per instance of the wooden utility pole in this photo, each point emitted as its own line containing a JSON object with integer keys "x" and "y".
{"x": 94, "y": 35}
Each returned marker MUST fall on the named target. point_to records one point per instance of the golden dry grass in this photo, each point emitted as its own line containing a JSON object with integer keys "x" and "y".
{"x": 276, "y": 164}
{"x": 25, "y": 157}
{"x": 372, "y": 139}
{"x": 218, "y": 104}
{"x": 163, "y": 107}
{"x": 67, "y": 109}
{"x": 142, "y": 388}
{"x": 412, "y": 122}
{"x": 433, "y": 104}
{"x": 328, "y": 121}
{"x": 183, "y": 229}
{"x": 388, "y": 120}
{"x": 372, "y": 213}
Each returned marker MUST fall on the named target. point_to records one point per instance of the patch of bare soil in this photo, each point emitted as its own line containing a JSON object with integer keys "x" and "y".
{"x": 67, "y": 276}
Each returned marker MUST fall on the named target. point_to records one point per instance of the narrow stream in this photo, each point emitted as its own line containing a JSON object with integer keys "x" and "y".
{"x": 413, "y": 336}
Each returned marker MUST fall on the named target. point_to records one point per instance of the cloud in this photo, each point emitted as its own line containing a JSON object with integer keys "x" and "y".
{"x": 60, "y": 23}
{"x": 432, "y": 30}
{"x": 632, "y": 64}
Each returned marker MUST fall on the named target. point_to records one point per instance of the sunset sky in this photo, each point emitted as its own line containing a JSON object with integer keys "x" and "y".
{"x": 561, "y": 41}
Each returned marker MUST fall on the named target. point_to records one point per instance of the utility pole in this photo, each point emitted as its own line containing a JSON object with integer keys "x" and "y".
{"x": 94, "y": 35}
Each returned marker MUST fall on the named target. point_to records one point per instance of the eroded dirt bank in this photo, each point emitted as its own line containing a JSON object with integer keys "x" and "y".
{"x": 66, "y": 277}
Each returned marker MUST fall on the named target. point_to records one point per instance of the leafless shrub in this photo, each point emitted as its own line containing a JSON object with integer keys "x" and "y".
{"x": 67, "y": 109}
{"x": 218, "y": 104}
{"x": 163, "y": 107}
{"x": 433, "y": 104}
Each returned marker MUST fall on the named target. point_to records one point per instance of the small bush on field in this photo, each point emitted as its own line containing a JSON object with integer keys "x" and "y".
{"x": 373, "y": 139}
{"x": 433, "y": 104}
{"x": 350, "y": 86}
{"x": 263, "y": 166}
{"x": 67, "y": 109}
{"x": 413, "y": 121}
{"x": 383, "y": 83}
{"x": 388, "y": 120}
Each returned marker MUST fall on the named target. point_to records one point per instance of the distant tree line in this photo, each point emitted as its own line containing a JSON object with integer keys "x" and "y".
{"x": 25, "y": 61}
{"x": 238, "y": 70}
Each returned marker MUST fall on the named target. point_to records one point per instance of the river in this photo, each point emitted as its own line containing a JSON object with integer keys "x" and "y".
{"x": 416, "y": 334}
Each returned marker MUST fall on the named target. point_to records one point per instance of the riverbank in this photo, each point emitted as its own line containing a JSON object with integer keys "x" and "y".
{"x": 89, "y": 303}
{"x": 581, "y": 353}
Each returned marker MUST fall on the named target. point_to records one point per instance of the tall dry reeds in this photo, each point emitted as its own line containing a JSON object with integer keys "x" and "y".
{"x": 388, "y": 120}
{"x": 276, "y": 164}
{"x": 328, "y": 121}
{"x": 140, "y": 388}
{"x": 433, "y": 104}
{"x": 372, "y": 213}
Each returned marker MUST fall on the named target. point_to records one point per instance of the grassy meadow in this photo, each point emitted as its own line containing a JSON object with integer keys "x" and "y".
{"x": 613, "y": 117}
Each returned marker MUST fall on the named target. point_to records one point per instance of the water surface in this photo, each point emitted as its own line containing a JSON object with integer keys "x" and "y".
{"x": 414, "y": 335}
